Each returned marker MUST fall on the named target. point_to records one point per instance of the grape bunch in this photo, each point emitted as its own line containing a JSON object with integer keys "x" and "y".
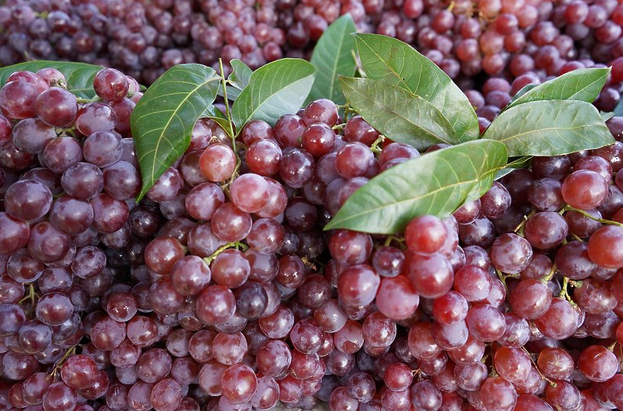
{"x": 144, "y": 39}
{"x": 467, "y": 39}
{"x": 221, "y": 291}
{"x": 141, "y": 38}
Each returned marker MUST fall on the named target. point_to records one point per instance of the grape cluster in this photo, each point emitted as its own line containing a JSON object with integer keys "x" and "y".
{"x": 141, "y": 38}
{"x": 507, "y": 38}
{"x": 144, "y": 39}
{"x": 221, "y": 291}
{"x": 493, "y": 48}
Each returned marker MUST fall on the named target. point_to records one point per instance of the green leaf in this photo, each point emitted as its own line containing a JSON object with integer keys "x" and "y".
{"x": 163, "y": 119}
{"x": 241, "y": 74}
{"x": 521, "y": 162}
{"x": 333, "y": 57}
{"x": 521, "y": 92}
{"x": 606, "y": 115}
{"x": 275, "y": 89}
{"x": 581, "y": 84}
{"x": 550, "y": 128}
{"x": 397, "y": 113}
{"x": 79, "y": 75}
{"x": 395, "y": 62}
{"x": 436, "y": 183}
{"x": 618, "y": 110}
{"x": 239, "y": 79}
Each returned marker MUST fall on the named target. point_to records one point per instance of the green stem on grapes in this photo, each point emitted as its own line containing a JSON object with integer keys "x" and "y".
{"x": 552, "y": 383}
{"x": 347, "y": 110}
{"x": 563, "y": 288}
{"x": 375, "y": 146}
{"x": 68, "y": 131}
{"x": 611, "y": 346}
{"x": 519, "y": 230}
{"x": 32, "y": 295}
{"x": 503, "y": 276}
{"x": 82, "y": 100}
{"x": 225, "y": 186}
{"x": 484, "y": 358}
{"x": 564, "y": 292}
{"x": 235, "y": 244}
{"x": 72, "y": 133}
{"x": 227, "y": 109}
{"x": 576, "y": 238}
{"x": 549, "y": 275}
{"x": 230, "y": 123}
{"x": 338, "y": 127}
{"x": 241, "y": 246}
{"x": 392, "y": 238}
{"x": 60, "y": 362}
{"x": 587, "y": 215}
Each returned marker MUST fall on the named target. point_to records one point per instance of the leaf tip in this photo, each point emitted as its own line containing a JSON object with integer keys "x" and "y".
{"x": 331, "y": 225}
{"x": 140, "y": 195}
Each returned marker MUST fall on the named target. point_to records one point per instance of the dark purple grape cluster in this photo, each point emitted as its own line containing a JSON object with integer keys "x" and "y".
{"x": 220, "y": 291}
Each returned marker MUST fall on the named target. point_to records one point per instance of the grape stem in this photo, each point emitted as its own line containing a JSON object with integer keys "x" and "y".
{"x": 519, "y": 230}
{"x": 230, "y": 123}
{"x": 60, "y": 362}
{"x": 227, "y": 109}
{"x": 347, "y": 110}
{"x": 32, "y": 295}
{"x": 375, "y": 146}
{"x": 564, "y": 292}
{"x": 503, "y": 277}
{"x": 235, "y": 244}
{"x": 391, "y": 238}
{"x": 552, "y": 383}
{"x": 70, "y": 132}
{"x": 81, "y": 100}
{"x": 587, "y": 215}
{"x": 549, "y": 275}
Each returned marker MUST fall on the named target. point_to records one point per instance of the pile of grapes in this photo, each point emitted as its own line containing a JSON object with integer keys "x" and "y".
{"x": 465, "y": 38}
{"x": 220, "y": 290}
